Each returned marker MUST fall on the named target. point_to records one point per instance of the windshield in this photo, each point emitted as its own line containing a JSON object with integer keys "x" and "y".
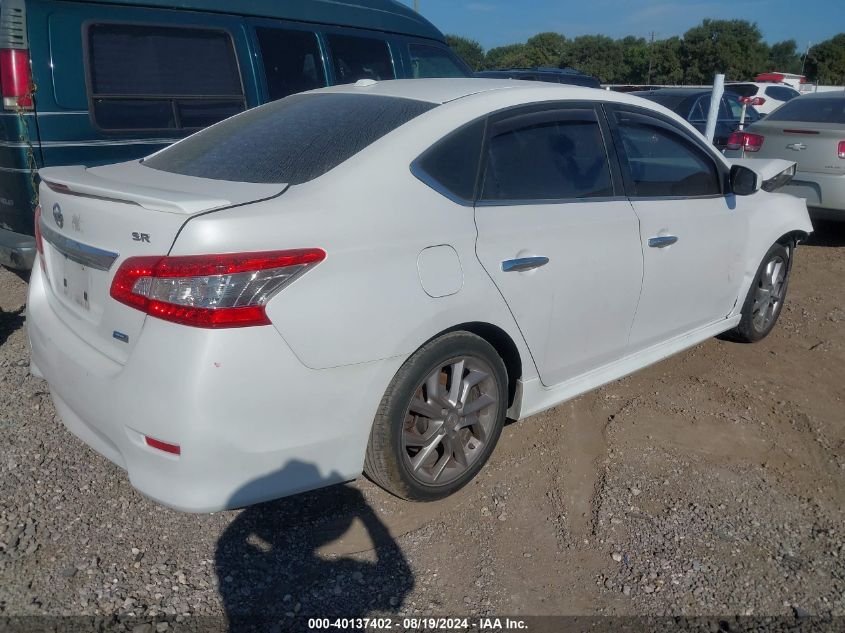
{"x": 811, "y": 110}
{"x": 290, "y": 141}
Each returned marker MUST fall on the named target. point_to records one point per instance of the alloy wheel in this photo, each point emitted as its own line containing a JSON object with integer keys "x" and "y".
{"x": 769, "y": 293}
{"x": 449, "y": 421}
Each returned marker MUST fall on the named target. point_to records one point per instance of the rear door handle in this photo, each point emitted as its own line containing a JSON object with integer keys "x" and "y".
{"x": 662, "y": 241}
{"x": 523, "y": 264}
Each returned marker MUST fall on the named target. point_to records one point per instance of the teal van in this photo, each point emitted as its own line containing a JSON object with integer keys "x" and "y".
{"x": 100, "y": 82}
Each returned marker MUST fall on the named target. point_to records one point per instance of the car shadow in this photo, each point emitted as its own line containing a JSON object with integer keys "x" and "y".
{"x": 276, "y": 568}
{"x": 10, "y": 322}
{"x": 827, "y": 232}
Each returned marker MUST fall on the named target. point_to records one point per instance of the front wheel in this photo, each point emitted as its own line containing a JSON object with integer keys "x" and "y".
{"x": 765, "y": 298}
{"x": 439, "y": 420}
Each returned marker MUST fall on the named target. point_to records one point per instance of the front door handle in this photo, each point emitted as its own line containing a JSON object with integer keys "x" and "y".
{"x": 523, "y": 264}
{"x": 662, "y": 241}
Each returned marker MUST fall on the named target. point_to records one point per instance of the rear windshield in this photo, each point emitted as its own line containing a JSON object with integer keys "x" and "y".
{"x": 291, "y": 141}
{"x": 811, "y": 110}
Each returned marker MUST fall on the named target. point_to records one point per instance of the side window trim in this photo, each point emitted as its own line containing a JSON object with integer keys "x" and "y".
{"x": 419, "y": 172}
{"x": 500, "y": 122}
{"x": 672, "y": 126}
{"x": 89, "y": 80}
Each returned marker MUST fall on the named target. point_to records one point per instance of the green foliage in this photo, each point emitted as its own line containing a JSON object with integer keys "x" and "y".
{"x": 826, "y": 61}
{"x": 511, "y": 56}
{"x": 733, "y": 47}
{"x": 784, "y": 57}
{"x": 545, "y": 49}
{"x": 468, "y": 50}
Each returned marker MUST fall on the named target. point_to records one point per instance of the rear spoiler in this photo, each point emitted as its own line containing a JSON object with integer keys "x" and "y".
{"x": 773, "y": 173}
{"x": 78, "y": 180}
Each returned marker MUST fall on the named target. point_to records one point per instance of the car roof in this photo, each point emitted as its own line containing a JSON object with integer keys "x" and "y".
{"x": 836, "y": 94}
{"x": 379, "y": 15}
{"x": 441, "y": 91}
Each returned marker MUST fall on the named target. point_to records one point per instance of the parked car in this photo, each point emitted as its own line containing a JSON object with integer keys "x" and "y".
{"x": 342, "y": 281}
{"x": 693, "y": 104}
{"x": 811, "y": 131}
{"x": 568, "y": 76}
{"x": 98, "y": 82}
{"x": 772, "y": 95}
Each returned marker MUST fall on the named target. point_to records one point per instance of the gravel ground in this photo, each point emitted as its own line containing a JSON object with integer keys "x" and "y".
{"x": 709, "y": 484}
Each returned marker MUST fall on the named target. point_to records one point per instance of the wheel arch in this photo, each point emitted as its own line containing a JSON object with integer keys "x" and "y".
{"x": 504, "y": 345}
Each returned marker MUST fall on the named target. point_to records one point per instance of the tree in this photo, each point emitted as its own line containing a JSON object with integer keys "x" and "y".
{"x": 596, "y": 55}
{"x": 636, "y": 53}
{"x": 732, "y": 47}
{"x": 826, "y": 61}
{"x": 666, "y": 68}
{"x": 784, "y": 57}
{"x": 545, "y": 49}
{"x": 468, "y": 50}
{"x": 510, "y": 56}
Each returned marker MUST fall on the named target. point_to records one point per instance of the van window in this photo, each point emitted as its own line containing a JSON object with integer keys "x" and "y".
{"x": 148, "y": 78}
{"x": 291, "y": 141}
{"x": 431, "y": 61}
{"x": 292, "y": 61}
{"x": 357, "y": 58}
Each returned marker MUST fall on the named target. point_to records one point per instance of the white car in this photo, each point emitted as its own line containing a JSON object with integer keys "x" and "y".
{"x": 372, "y": 277}
{"x": 773, "y": 95}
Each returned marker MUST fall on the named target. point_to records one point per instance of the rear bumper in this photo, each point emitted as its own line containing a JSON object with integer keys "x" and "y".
{"x": 252, "y": 422}
{"x": 16, "y": 250}
{"x": 823, "y": 191}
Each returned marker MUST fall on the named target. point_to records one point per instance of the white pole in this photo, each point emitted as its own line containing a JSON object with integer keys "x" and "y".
{"x": 715, "y": 99}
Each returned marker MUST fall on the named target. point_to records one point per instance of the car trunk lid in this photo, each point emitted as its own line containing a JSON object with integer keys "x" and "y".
{"x": 94, "y": 219}
{"x": 814, "y": 146}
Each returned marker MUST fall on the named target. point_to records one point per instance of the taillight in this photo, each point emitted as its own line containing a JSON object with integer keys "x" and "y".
{"x": 746, "y": 141}
{"x": 841, "y": 149}
{"x": 210, "y": 291}
{"x": 15, "y": 79}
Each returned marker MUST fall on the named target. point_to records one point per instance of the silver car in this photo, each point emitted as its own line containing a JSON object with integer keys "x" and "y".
{"x": 811, "y": 131}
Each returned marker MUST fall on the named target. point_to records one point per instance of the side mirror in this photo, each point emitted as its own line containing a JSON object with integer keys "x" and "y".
{"x": 744, "y": 181}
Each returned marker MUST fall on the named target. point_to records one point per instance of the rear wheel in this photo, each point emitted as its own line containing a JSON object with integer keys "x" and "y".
{"x": 766, "y": 296}
{"x": 439, "y": 420}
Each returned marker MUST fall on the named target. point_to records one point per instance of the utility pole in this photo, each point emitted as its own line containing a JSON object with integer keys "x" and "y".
{"x": 650, "y": 58}
{"x": 806, "y": 55}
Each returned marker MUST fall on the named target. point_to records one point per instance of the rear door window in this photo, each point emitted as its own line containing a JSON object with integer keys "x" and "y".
{"x": 431, "y": 61}
{"x": 292, "y": 61}
{"x": 161, "y": 78}
{"x": 556, "y": 155}
{"x": 356, "y": 58}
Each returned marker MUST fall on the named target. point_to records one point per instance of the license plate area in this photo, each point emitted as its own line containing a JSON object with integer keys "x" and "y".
{"x": 75, "y": 284}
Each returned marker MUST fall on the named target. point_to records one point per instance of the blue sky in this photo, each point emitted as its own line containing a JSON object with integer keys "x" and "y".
{"x": 497, "y": 22}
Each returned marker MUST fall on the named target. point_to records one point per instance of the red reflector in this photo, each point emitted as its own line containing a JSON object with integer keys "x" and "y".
{"x": 15, "y": 79}
{"x": 745, "y": 140}
{"x": 841, "y": 149}
{"x": 173, "y": 449}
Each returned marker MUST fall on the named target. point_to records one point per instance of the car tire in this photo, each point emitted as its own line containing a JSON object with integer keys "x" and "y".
{"x": 766, "y": 297}
{"x": 431, "y": 435}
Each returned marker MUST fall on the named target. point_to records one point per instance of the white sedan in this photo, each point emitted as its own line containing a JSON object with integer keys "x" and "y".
{"x": 373, "y": 277}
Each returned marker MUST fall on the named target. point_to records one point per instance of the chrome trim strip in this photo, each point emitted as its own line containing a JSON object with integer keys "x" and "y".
{"x": 94, "y": 143}
{"x": 18, "y": 171}
{"x": 17, "y": 114}
{"x": 90, "y": 256}
{"x": 526, "y": 203}
{"x": 523, "y": 264}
